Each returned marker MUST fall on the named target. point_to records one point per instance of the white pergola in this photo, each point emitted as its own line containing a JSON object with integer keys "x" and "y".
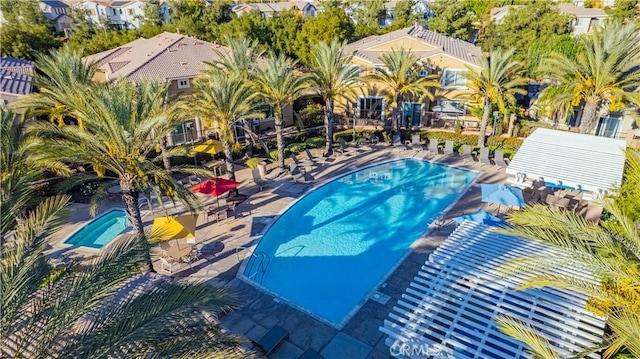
{"x": 454, "y": 299}
{"x": 589, "y": 162}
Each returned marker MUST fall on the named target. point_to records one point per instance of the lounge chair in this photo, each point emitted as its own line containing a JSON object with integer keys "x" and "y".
{"x": 499, "y": 159}
{"x": 167, "y": 264}
{"x": 296, "y": 172}
{"x": 310, "y": 157}
{"x": 302, "y": 163}
{"x": 415, "y": 142}
{"x": 255, "y": 174}
{"x": 483, "y": 156}
{"x": 344, "y": 148}
{"x": 397, "y": 142}
{"x": 448, "y": 148}
{"x": 373, "y": 139}
{"x": 272, "y": 339}
{"x": 433, "y": 146}
{"x": 593, "y": 213}
{"x": 466, "y": 153}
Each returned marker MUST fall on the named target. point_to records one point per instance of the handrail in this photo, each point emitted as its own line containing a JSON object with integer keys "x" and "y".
{"x": 264, "y": 261}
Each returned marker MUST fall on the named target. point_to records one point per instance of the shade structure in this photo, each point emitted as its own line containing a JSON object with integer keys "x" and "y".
{"x": 455, "y": 298}
{"x": 173, "y": 227}
{"x": 502, "y": 195}
{"x": 210, "y": 146}
{"x": 215, "y": 186}
{"x": 483, "y": 217}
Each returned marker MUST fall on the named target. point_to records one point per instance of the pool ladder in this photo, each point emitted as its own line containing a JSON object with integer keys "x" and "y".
{"x": 263, "y": 260}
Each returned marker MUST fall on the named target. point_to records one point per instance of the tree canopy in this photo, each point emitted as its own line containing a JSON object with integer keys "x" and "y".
{"x": 452, "y": 18}
{"x": 27, "y": 31}
{"x": 329, "y": 24}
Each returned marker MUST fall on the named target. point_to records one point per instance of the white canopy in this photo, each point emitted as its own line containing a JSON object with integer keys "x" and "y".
{"x": 590, "y": 162}
{"x": 453, "y": 302}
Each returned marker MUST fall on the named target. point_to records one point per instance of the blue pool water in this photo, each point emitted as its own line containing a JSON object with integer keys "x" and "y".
{"x": 333, "y": 246}
{"x": 101, "y": 230}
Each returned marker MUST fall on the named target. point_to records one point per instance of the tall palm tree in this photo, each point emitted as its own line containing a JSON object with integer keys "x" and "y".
{"x": 557, "y": 102}
{"x": 241, "y": 58}
{"x": 497, "y": 82}
{"x": 611, "y": 251}
{"x": 331, "y": 78}
{"x": 120, "y": 123}
{"x": 222, "y": 100}
{"x": 279, "y": 86}
{"x": 605, "y": 72}
{"x": 401, "y": 78}
{"x": 62, "y": 78}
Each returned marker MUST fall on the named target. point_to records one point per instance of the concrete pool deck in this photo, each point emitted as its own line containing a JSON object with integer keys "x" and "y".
{"x": 258, "y": 311}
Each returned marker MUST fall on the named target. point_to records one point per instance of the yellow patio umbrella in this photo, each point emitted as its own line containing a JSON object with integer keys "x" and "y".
{"x": 210, "y": 146}
{"x": 173, "y": 227}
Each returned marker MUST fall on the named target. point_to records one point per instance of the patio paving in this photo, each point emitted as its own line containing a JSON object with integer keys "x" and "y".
{"x": 227, "y": 243}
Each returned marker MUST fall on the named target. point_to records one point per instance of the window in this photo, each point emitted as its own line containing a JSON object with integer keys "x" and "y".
{"x": 92, "y": 12}
{"x": 454, "y": 79}
{"x": 450, "y": 109}
{"x": 371, "y": 107}
{"x": 609, "y": 126}
{"x": 114, "y": 11}
{"x": 120, "y": 11}
{"x": 577, "y": 22}
{"x": 183, "y": 84}
{"x": 423, "y": 73}
{"x": 130, "y": 12}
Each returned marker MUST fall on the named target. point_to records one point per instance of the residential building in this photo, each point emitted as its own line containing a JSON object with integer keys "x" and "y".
{"x": 446, "y": 57}
{"x": 420, "y": 8}
{"x": 125, "y": 14}
{"x": 267, "y": 10}
{"x": 601, "y": 3}
{"x": 58, "y": 13}
{"x": 177, "y": 60}
{"x": 15, "y": 79}
{"x": 585, "y": 18}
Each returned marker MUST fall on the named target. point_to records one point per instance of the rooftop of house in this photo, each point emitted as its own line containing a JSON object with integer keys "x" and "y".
{"x": 279, "y": 6}
{"x": 55, "y": 3}
{"x": 456, "y": 48}
{"x": 578, "y": 11}
{"x": 165, "y": 56}
{"x": 15, "y": 75}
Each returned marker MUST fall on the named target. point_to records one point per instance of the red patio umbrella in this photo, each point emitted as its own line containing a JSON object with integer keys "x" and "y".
{"x": 215, "y": 187}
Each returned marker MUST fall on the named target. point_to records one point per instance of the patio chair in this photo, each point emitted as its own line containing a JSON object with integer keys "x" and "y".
{"x": 301, "y": 163}
{"x": 433, "y": 146}
{"x": 310, "y": 157}
{"x": 448, "y": 148}
{"x": 167, "y": 264}
{"x": 272, "y": 339}
{"x": 373, "y": 139}
{"x": 415, "y": 142}
{"x": 194, "y": 180}
{"x": 296, "y": 172}
{"x": 499, "y": 159}
{"x": 466, "y": 153}
{"x": 255, "y": 174}
{"x": 593, "y": 213}
{"x": 344, "y": 148}
{"x": 483, "y": 156}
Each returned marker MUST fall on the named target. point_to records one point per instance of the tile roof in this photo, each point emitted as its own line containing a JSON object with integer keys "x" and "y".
{"x": 15, "y": 75}
{"x": 54, "y": 3}
{"x": 457, "y": 48}
{"x": 581, "y": 11}
{"x": 163, "y": 57}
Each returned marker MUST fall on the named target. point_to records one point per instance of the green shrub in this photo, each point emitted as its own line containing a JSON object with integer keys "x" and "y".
{"x": 312, "y": 115}
{"x": 457, "y": 127}
{"x": 316, "y": 142}
{"x": 386, "y": 137}
{"x": 252, "y": 162}
{"x": 296, "y": 147}
{"x": 273, "y": 155}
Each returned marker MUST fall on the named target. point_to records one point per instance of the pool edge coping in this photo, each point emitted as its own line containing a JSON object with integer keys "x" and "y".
{"x": 339, "y": 326}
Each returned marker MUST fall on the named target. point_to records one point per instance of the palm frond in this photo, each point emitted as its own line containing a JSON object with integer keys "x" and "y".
{"x": 517, "y": 329}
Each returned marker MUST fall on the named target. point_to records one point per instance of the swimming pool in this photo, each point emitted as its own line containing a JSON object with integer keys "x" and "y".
{"x": 101, "y": 230}
{"x": 337, "y": 243}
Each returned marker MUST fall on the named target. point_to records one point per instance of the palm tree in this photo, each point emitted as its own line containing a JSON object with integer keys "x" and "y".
{"x": 222, "y": 100}
{"x": 610, "y": 251}
{"x": 557, "y": 102}
{"x": 62, "y": 78}
{"x": 279, "y": 86}
{"x": 604, "y": 73}
{"x": 85, "y": 311}
{"x": 497, "y": 82}
{"x": 242, "y": 57}
{"x": 120, "y": 121}
{"x": 401, "y": 78}
{"x": 332, "y": 78}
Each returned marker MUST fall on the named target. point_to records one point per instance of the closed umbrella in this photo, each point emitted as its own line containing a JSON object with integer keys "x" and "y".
{"x": 483, "y": 217}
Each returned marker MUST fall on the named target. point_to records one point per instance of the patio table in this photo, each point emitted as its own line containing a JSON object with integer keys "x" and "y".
{"x": 177, "y": 250}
